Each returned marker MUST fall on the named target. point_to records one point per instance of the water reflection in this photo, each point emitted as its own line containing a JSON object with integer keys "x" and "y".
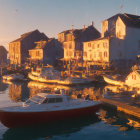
{"x": 3, "y": 86}
{"x": 21, "y": 91}
{"x": 18, "y": 91}
{"x": 94, "y": 93}
{"x": 120, "y": 120}
{"x": 61, "y": 128}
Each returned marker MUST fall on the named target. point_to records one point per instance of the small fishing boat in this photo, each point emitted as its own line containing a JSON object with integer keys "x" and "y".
{"x": 45, "y": 107}
{"x": 74, "y": 81}
{"x": 50, "y": 75}
{"x": 47, "y": 75}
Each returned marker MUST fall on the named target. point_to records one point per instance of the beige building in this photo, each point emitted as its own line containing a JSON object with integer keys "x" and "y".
{"x": 119, "y": 44}
{"x": 72, "y": 41}
{"x": 46, "y": 52}
{"x": 97, "y": 50}
{"x": 18, "y": 49}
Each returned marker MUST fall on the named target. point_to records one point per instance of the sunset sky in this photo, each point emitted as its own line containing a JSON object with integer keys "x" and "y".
{"x": 54, "y": 16}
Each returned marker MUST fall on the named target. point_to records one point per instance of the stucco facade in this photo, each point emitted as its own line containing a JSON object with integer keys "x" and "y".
{"x": 72, "y": 41}
{"x": 46, "y": 52}
{"x": 97, "y": 50}
{"x": 18, "y": 49}
{"x": 122, "y": 37}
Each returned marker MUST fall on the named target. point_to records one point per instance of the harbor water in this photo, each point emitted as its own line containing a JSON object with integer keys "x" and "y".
{"x": 106, "y": 124}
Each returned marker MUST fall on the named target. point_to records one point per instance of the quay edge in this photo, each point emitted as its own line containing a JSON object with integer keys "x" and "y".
{"x": 123, "y": 107}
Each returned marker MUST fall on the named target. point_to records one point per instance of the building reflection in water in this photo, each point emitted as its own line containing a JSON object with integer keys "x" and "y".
{"x": 18, "y": 91}
{"x": 21, "y": 91}
{"x": 89, "y": 92}
{"x": 3, "y": 86}
{"x": 123, "y": 121}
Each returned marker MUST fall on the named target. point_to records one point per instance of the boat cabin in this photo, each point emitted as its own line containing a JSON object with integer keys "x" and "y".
{"x": 43, "y": 98}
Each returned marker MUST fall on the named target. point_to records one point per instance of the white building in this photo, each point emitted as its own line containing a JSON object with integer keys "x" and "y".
{"x": 120, "y": 41}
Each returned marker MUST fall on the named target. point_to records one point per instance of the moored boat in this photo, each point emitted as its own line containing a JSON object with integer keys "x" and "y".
{"x": 113, "y": 81}
{"x": 44, "y": 108}
{"x": 74, "y": 81}
{"x": 50, "y": 75}
{"x": 47, "y": 74}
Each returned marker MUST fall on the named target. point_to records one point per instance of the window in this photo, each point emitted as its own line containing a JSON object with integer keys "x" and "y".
{"x": 89, "y": 44}
{"x": 98, "y": 45}
{"x": 105, "y": 45}
{"x": 70, "y": 46}
{"x": 51, "y": 100}
{"x": 85, "y": 54}
{"x": 100, "y": 54}
{"x": 134, "y": 77}
{"x": 59, "y": 100}
{"x": 93, "y": 47}
{"x": 90, "y": 56}
{"x": 65, "y": 46}
{"x": 105, "y": 54}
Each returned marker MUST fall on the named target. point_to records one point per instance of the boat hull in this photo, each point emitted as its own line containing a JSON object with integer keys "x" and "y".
{"x": 18, "y": 119}
{"x": 112, "y": 81}
{"x": 59, "y": 81}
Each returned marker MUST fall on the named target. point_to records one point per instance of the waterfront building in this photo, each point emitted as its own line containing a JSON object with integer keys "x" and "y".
{"x": 133, "y": 78}
{"x": 72, "y": 41}
{"x": 46, "y": 52}
{"x": 119, "y": 43}
{"x": 3, "y": 55}
{"x": 18, "y": 49}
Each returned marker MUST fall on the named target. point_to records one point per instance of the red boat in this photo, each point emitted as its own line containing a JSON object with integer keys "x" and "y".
{"x": 43, "y": 108}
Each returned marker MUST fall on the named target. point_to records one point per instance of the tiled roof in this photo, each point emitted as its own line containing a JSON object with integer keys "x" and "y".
{"x": 23, "y": 36}
{"x": 128, "y": 19}
{"x": 85, "y": 34}
{"x": 2, "y": 49}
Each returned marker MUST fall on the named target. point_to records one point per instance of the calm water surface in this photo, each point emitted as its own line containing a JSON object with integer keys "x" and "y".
{"x": 106, "y": 124}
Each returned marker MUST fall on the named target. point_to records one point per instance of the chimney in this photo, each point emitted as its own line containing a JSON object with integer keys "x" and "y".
{"x": 84, "y": 27}
{"x": 92, "y": 23}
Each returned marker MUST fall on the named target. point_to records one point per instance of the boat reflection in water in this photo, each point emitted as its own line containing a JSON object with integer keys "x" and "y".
{"x": 3, "y": 86}
{"x": 52, "y": 130}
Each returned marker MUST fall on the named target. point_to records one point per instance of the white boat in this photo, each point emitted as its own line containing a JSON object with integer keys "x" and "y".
{"x": 113, "y": 81}
{"x": 74, "y": 81}
{"x": 39, "y": 85}
{"x": 50, "y": 75}
{"x": 46, "y": 74}
{"x": 12, "y": 77}
{"x": 43, "y": 108}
